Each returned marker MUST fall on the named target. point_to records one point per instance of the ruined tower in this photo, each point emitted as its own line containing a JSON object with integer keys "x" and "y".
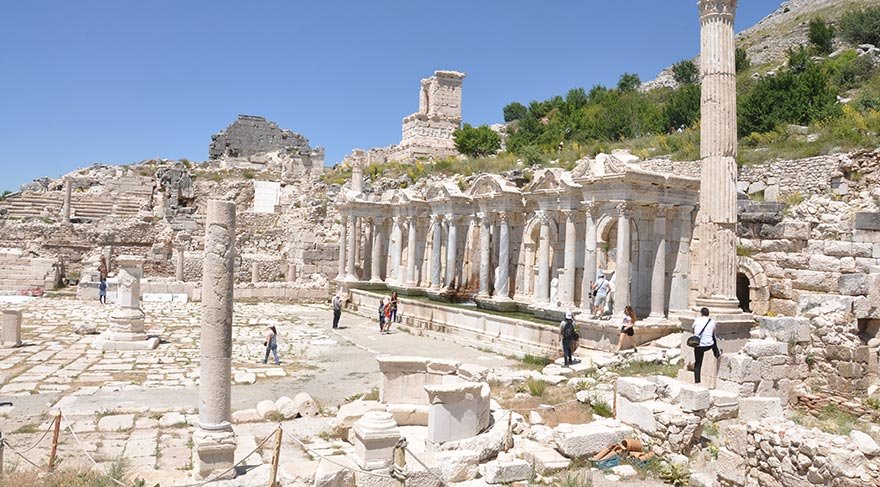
{"x": 428, "y": 132}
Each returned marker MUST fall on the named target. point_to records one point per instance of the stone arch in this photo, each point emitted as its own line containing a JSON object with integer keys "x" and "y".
{"x": 528, "y": 255}
{"x": 759, "y": 288}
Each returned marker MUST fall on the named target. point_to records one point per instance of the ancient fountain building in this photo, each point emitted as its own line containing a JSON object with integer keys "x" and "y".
{"x": 537, "y": 248}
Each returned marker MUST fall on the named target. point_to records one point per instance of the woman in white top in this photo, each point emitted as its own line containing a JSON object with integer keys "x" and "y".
{"x": 704, "y": 327}
{"x": 628, "y": 328}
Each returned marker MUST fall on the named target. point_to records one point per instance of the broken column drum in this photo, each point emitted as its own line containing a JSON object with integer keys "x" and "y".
{"x": 11, "y": 328}
{"x": 214, "y": 438}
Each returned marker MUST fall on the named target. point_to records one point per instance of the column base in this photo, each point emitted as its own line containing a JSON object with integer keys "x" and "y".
{"x": 409, "y": 289}
{"x": 719, "y": 306}
{"x": 215, "y": 452}
{"x": 502, "y": 303}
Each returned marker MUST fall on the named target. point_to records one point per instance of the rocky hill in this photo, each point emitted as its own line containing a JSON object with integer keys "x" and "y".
{"x": 768, "y": 41}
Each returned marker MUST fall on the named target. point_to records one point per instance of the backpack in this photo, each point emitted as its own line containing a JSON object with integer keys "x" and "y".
{"x": 568, "y": 331}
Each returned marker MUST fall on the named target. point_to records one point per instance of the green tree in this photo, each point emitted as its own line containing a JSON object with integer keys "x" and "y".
{"x": 686, "y": 72}
{"x": 477, "y": 141}
{"x": 742, "y": 60}
{"x": 683, "y": 108}
{"x": 629, "y": 82}
{"x": 821, "y": 36}
{"x": 861, "y": 26}
{"x": 515, "y": 111}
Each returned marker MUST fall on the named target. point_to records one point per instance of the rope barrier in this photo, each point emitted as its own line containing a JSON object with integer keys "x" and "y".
{"x": 6, "y": 443}
{"x": 223, "y": 474}
{"x": 313, "y": 452}
{"x": 51, "y": 424}
{"x": 83, "y": 448}
{"x": 428, "y": 469}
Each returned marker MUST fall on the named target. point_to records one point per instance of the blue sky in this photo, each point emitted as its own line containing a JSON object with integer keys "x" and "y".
{"x": 122, "y": 81}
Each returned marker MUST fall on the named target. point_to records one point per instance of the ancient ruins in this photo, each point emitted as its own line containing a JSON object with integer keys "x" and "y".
{"x": 207, "y": 265}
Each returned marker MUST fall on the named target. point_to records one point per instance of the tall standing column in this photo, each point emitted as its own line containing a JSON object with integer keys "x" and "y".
{"x": 411, "y": 244}
{"x": 718, "y": 135}
{"x": 502, "y": 275}
{"x": 214, "y": 438}
{"x": 436, "y": 247}
{"x": 624, "y": 248}
{"x": 566, "y": 295}
{"x": 485, "y": 253}
{"x": 542, "y": 286}
{"x": 679, "y": 289}
{"x": 65, "y": 205}
{"x": 658, "y": 273}
{"x": 368, "y": 249}
{"x": 590, "y": 257}
{"x": 376, "y": 265}
{"x": 396, "y": 273}
{"x": 451, "y": 250}
{"x": 351, "y": 246}
{"x": 343, "y": 224}
{"x": 178, "y": 264}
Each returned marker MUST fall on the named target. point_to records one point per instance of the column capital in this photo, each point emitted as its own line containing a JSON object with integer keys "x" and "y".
{"x": 722, "y": 8}
{"x": 543, "y": 216}
{"x": 590, "y": 206}
{"x": 624, "y": 208}
{"x": 503, "y": 217}
{"x": 378, "y": 220}
{"x": 484, "y": 218}
{"x": 436, "y": 218}
{"x": 568, "y": 213}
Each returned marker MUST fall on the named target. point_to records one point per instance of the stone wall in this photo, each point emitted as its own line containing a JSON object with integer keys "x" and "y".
{"x": 250, "y": 135}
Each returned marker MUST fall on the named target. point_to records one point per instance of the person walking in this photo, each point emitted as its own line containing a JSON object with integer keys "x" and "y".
{"x": 704, "y": 329}
{"x": 382, "y": 315}
{"x": 394, "y": 306}
{"x": 600, "y": 295}
{"x": 271, "y": 344}
{"x": 387, "y": 314}
{"x": 568, "y": 334}
{"x": 628, "y": 327}
{"x": 102, "y": 291}
{"x": 337, "y": 310}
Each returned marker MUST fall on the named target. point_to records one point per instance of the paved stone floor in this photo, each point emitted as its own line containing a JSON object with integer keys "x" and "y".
{"x": 142, "y": 405}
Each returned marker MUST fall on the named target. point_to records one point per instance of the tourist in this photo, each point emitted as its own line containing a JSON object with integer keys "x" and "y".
{"x": 337, "y": 310}
{"x": 704, "y": 329}
{"x": 382, "y": 315}
{"x": 569, "y": 335}
{"x": 609, "y": 302}
{"x": 628, "y": 327}
{"x": 394, "y": 306}
{"x": 600, "y": 295}
{"x": 102, "y": 291}
{"x": 387, "y": 316}
{"x": 271, "y": 344}
{"x": 102, "y": 268}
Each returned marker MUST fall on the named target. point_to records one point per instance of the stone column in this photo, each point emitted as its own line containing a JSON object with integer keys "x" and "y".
{"x": 624, "y": 248}
{"x": 367, "y": 261}
{"x": 255, "y": 272}
{"x": 502, "y": 275}
{"x": 679, "y": 289}
{"x": 126, "y": 331}
{"x": 396, "y": 273}
{"x": 376, "y": 265}
{"x": 351, "y": 245}
{"x": 411, "y": 244}
{"x": 718, "y": 147}
{"x": 658, "y": 272}
{"x": 178, "y": 265}
{"x": 11, "y": 328}
{"x": 358, "y": 231}
{"x": 343, "y": 224}
{"x": 436, "y": 249}
{"x": 291, "y": 272}
{"x": 485, "y": 253}
{"x": 214, "y": 438}
{"x": 542, "y": 286}
{"x": 357, "y": 178}
{"x": 590, "y": 256}
{"x": 451, "y": 250}
{"x": 566, "y": 294}
{"x": 65, "y": 204}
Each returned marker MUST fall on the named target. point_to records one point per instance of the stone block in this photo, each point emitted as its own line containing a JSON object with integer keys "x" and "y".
{"x": 785, "y": 328}
{"x": 694, "y": 398}
{"x": 636, "y": 389}
{"x": 720, "y": 398}
{"x": 442, "y": 367}
{"x": 756, "y": 408}
{"x": 457, "y": 411}
{"x": 864, "y": 443}
{"x": 545, "y": 460}
{"x": 738, "y": 367}
{"x": 409, "y": 414}
{"x": 867, "y": 220}
{"x": 853, "y": 284}
{"x": 815, "y": 281}
{"x": 585, "y": 440}
{"x": 458, "y": 465}
{"x": 731, "y": 467}
{"x": 642, "y": 415}
{"x": 506, "y": 469}
{"x": 735, "y": 437}
{"x": 765, "y": 348}
{"x": 332, "y": 472}
{"x": 824, "y": 263}
{"x": 473, "y": 373}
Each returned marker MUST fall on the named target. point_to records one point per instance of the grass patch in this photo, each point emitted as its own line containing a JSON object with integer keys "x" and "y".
{"x": 744, "y": 252}
{"x": 640, "y": 368}
{"x": 373, "y": 395}
{"x": 602, "y": 409}
{"x": 28, "y": 429}
{"x": 830, "y": 419}
{"x": 873, "y": 402}
{"x": 536, "y": 387}
{"x": 676, "y": 475}
{"x": 574, "y": 479}
{"x": 275, "y": 417}
{"x": 536, "y": 361}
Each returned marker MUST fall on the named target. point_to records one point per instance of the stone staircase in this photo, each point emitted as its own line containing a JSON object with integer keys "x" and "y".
{"x": 35, "y": 205}
{"x": 19, "y": 272}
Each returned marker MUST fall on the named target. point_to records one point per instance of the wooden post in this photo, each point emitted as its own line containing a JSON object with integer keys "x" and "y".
{"x": 399, "y": 468}
{"x": 55, "y": 440}
{"x": 275, "y": 458}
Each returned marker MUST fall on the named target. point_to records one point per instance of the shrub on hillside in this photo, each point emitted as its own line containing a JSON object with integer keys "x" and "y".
{"x": 683, "y": 108}
{"x": 629, "y": 82}
{"x": 742, "y": 60}
{"x": 686, "y": 72}
{"x": 515, "y": 111}
{"x": 477, "y": 141}
{"x": 821, "y": 36}
{"x": 849, "y": 70}
{"x": 861, "y": 26}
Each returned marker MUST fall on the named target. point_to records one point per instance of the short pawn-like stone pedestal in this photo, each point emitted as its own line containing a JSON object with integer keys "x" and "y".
{"x": 215, "y": 450}
{"x": 126, "y": 331}
{"x": 375, "y": 436}
{"x": 457, "y": 411}
{"x": 11, "y": 328}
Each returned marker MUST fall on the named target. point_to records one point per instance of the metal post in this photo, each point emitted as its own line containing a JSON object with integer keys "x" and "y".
{"x": 275, "y": 458}
{"x": 55, "y": 440}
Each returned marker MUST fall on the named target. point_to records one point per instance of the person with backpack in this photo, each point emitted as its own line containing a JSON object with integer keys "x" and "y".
{"x": 569, "y": 335}
{"x": 337, "y": 310}
{"x": 388, "y": 310}
{"x": 271, "y": 344}
{"x": 600, "y": 295}
{"x": 702, "y": 341}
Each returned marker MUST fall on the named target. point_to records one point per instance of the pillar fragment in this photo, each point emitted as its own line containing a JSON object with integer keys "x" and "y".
{"x": 624, "y": 247}
{"x": 502, "y": 275}
{"x": 567, "y": 286}
{"x": 485, "y": 253}
{"x": 436, "y": 248}
{"x": 658, "y": 272}
{"x": 542, "y": 286}
{"x": 590, "y": 256}
{"x": 451, "y": 250}
{"x": 411, "y": 244}
{"x": 377, "y": 254}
